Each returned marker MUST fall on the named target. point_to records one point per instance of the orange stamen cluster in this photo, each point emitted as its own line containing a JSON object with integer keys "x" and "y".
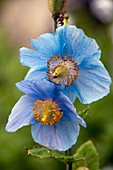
{"x": 62, "y": 70}
{"x": 47, "y": 111}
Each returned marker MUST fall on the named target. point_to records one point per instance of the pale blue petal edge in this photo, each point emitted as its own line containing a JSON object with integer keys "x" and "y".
{"x": 60, "y": 136}
{"x": 21, "y": 114}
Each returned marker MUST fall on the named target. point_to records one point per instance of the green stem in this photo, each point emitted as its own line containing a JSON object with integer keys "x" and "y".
{"x": 54, "y": 22}
{"x": 55, "y": 26}
{"x": 69, "y": 164}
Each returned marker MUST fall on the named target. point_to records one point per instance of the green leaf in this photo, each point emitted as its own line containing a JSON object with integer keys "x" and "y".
{"x": 90, "y": 155}
{"x": 42, "y": 153}
{"x": 84, "y": 113}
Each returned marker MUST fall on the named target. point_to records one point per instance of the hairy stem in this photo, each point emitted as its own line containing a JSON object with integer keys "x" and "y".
{"x": 69, "y": 164}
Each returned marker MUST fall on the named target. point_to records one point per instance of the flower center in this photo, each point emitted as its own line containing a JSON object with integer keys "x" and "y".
{"x": 47, "y": 111}
{"x": 62, "y": 70}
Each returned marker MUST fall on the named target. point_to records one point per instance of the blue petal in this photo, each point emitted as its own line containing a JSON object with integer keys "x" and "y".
{"x": 60, "y": 136}
{"x": 36, "y": 75}
{"x": 77, "y": 44}
{"x": 28, "y": 88}
{"x": 32, "y": 58}
{"x": 68, "y": 109}
{"x": 22, "y": 114}
{"x": 86, "y": 48}
{"x": 70, "y": 92}
{"x": 93, "y": 81}
{"x": 47, "y": 44}
{"x": 64, "y": 34}
{"x": 42, "y": 90}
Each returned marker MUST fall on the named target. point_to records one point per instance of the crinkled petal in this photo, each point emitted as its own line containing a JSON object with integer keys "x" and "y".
{"x": 37, "y": 75}
{"x": 86, "y": 48}
{"x": 47, "y": 44}
{"x": 93, "y": 81}
{"x": 22, "y": 114}
{"x": 60, "y": 136}
{"x": 32, "y": 58}
{"x": 70, "y": 92}
{"x": 77, "y": 44}
{"x": 65, "y": 36}
{"x": 42, "y": 90}
{"x": 68, "y": 109}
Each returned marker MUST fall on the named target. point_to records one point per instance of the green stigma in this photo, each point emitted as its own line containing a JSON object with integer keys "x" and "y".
{"x": 60, "y": 70}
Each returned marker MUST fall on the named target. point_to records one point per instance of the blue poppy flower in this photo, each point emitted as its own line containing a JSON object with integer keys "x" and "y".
{"x": 72, "y": 60}
{"x": 55, "y": 123}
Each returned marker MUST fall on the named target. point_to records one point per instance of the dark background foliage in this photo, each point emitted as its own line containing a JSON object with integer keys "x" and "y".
{"x": 20, "y": 20}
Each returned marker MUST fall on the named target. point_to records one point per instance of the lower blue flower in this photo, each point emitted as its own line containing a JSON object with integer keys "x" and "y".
{"x": 55, "y": 123}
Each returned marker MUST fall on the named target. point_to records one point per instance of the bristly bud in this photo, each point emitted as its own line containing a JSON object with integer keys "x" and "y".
{"x": 57, "y": 6}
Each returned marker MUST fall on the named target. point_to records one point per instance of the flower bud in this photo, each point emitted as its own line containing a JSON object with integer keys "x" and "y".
{"x": 82, "y": 168}
{"x": 57, "y": 6}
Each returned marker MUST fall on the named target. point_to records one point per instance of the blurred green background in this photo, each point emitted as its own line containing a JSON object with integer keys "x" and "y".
{"x": 19, "y": 21}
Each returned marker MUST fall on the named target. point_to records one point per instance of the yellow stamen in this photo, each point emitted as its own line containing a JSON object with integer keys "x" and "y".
{"x": 47, "y": 112}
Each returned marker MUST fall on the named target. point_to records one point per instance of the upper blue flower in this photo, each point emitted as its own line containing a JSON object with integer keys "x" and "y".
{"x": 52, "y": 116}
{"x": 69, "y": 58}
